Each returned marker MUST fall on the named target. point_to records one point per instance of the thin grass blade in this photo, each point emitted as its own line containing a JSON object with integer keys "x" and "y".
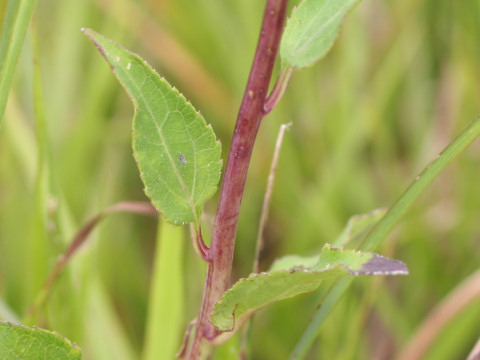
{"x": 165, "y": 313}
{"x": 16, "y": 20}
{"x": 383, "y": 227}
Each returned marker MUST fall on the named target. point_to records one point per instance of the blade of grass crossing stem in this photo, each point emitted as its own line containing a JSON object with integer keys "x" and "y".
{"x": 16, "y": 20}
{"x": 165, "y": 319}
{"x": 396, "y": 211}
{"x": 39, "y": 239}
{"x": 380, "y": 231}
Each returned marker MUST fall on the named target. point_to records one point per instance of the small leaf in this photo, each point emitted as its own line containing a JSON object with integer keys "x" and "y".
{"x": 383, "y": 227}
{"x": 18, "y": 342}
{"x": 358, "y": 226}
{"x": 177, "y": 153}
{"x": 311, "y": 31}
{"x": 258, "y": 290}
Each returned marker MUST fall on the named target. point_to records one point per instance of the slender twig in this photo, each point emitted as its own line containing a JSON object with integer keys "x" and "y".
{"x": 268, "y": 196}
{"x": 382, "y": 228}
{"x": 261, "y": 227}
{"x": 250, "y": 115}
{"x": 80, "y": 238}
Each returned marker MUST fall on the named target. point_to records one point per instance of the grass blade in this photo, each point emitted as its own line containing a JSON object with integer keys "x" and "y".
{"x": 459, "y": 299}
{"x": 165, "y": 320}
{"x": 80, "y": 238}
{"x": 249, "y": 295}
{"x": 105, "y": 336}
{"x": 16, "y": 20}
{"x": 380, "y": 231}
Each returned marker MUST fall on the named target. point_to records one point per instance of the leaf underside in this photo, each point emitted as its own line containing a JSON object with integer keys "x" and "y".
{"x": 258, "y": 290}
{"x": 311, "y": 31}
{"x": 19, "y": 342}
{"x": 176, "y": 151}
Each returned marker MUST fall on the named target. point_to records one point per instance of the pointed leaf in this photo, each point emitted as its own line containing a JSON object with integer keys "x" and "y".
{"x": 311, "y": 31}
{"x": 358, "y": 226}
{"x": 177, "y": 153}
{"x": 258, "y": 290}
{"x": 383, "y": 227}
{"x": 19, "y": 342}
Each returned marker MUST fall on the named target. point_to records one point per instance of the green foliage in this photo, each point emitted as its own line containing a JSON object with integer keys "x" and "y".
{"x": 312, "y": 30}
{"x": 177, "y": 153}
{"x": 19, "y": 342}
{"x": 166, "y": 306}
{"x": 379, "y": 232}
{"x": 398, "y": 86}
{"x": 13, "y": 26}
{"x": 250, "y": 295}
{"x": 358, "y": 226}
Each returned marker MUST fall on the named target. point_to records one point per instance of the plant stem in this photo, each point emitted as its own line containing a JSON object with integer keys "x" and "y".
{"x": 220, "y": 254}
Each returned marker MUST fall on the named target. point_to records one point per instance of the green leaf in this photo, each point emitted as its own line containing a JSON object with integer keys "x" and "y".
{"x": 358, "y": 226}
{"x": 379, "y": 232}
{"x": 258, "y": 290}
{"x": 18, "y": 342}
{"x": 177, "y": 153}
{"x": 311, "y": 31}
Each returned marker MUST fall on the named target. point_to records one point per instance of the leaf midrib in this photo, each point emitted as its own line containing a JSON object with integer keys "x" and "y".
{"x": 159, "y": 131}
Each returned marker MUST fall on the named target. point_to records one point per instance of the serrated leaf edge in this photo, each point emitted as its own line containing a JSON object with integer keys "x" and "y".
{"x": 295, "y": 8}
{"x": 34, "y": 328}
{"x": 227, "y": 333}
{"x": 91, "y": 35}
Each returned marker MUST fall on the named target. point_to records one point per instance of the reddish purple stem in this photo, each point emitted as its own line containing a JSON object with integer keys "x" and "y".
{"x": 220, "y": 254}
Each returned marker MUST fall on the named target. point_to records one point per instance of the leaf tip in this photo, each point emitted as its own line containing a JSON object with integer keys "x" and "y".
{"x": 87, "y": 32}
{"x": 380, "y": 265}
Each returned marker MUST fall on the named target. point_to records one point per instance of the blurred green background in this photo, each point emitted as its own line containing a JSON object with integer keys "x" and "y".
{"x": 401, "y": 81}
